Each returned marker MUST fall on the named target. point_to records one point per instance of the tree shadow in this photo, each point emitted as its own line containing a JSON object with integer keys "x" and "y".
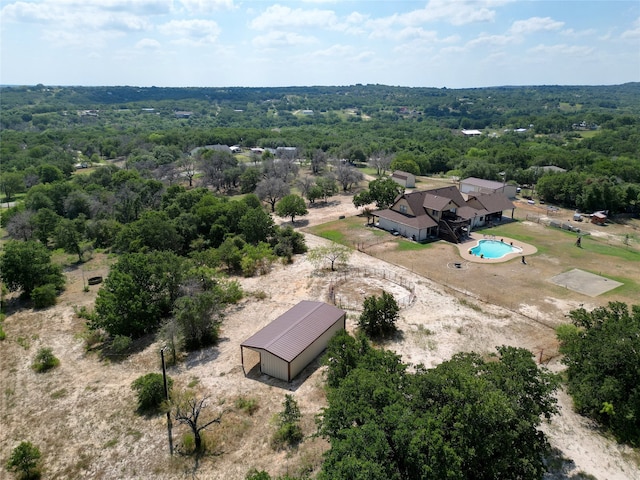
{"x": 204, "y": 355}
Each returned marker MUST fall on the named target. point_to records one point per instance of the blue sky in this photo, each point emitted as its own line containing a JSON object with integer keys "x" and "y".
{"x": 435, "y": 43}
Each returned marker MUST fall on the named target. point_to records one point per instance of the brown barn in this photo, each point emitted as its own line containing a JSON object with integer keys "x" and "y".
{"x": 294, "y": 339}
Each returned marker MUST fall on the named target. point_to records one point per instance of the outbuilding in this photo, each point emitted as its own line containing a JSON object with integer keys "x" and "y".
{"x": 294, "y": 339}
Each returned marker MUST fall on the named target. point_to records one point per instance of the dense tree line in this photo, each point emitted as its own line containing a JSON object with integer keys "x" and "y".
{"x": 601, "y": 349}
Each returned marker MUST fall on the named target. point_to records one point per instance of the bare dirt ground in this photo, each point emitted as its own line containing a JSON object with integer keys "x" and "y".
{"x": 82, "y": 414}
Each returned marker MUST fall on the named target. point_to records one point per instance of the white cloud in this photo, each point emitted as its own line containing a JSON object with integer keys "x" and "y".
{"x": 207, "y": 6}
{"x": 148, "y": 44}
{"x": 634, "y": 32}
{"x": 570, "y": 32}
{"x": 491, "y": 40}
{"x": 279, "y": 16}
{"x": 275, "y": 39}
{"x": 562, "y": 49}
{"x": 191, "y": 32}
{"x": 535, "y": 24}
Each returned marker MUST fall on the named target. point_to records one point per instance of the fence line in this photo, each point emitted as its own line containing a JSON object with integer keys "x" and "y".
{"x": 342, "y": 277}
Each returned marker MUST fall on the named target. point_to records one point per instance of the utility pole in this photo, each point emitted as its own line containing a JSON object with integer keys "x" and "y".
{"x": 166, "y": 395}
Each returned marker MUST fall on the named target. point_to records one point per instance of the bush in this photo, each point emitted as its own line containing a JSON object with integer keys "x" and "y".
{"x": 44, "y": 296}
{"x": 379, "y": 316}
{"x": 248, "y": 405}
{"x": 24, "y": 461}
{"x": 150, "y": 391}
{"x": 44, "y": 360}
{"x": 2, "y": 334}
{"x": 121, "y": 344}
{"x": 289, "y": 431}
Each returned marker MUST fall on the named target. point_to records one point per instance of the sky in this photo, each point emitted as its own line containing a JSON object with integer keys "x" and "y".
{"x": 263, "y": 43}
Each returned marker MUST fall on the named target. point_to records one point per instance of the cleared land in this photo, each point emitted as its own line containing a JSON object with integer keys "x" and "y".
{"x": 82, "y": 414}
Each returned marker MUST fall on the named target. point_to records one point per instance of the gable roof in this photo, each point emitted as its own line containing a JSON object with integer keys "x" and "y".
{"x": 292, "y": 332}
{"x": 402, "y": 175}
{"x": 480, "y": 182}
{"x": 492, "y": 202}
{"x": 419, "y": 222}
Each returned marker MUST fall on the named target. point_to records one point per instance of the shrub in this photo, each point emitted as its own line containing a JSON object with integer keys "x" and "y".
{"x": 248, "y": 405}
{"x": 289, "y": 431}
{"x": 150, "y": 391}
{"x": 44, "y": 360}
{"x": 44, "y": 296}
{"x": 24, "y": 460}
{"x": 121, "y": 344}
{"x": 3, "y": 335}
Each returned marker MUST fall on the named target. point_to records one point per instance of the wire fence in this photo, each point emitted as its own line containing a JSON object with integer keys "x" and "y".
{"x": 346, "y": 303}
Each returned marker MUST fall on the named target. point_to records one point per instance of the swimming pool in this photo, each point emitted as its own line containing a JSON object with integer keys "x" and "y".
{"x": 493, "y": 249}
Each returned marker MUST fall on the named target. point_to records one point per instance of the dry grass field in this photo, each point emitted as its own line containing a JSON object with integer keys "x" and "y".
{"x": 82, "y": 413}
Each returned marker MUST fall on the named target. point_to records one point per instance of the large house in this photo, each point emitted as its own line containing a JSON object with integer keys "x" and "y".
{"x": 441, "y": 212}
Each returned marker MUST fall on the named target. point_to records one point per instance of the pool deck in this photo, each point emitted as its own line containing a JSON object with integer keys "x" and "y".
{"x": 475, "y": 237}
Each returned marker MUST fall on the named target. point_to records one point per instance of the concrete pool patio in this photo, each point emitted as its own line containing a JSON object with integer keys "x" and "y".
{"x": 474, "y": 238}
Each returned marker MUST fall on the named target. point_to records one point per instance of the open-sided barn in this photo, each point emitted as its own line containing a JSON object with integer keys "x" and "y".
{"x": 294, "y": 339}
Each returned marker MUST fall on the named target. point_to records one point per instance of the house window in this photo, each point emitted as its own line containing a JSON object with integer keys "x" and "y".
{"x": 403, "y": 209}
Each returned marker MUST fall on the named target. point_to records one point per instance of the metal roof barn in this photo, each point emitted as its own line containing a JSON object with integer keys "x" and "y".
{"x": 294, "y": 339}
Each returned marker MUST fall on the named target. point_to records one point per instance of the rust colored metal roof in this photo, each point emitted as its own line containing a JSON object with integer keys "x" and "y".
{"x": 297, "y": 328}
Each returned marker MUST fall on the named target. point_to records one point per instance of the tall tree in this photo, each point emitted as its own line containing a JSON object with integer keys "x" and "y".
{"x": 27, "y": 265}
{"x": 291, "y": 205}
{"x": 271, "y": 190}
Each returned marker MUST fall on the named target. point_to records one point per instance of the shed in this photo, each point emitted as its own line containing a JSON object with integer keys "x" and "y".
{"x": 293, "y": 340}
{"x": 404, "y": 179}
{"x": 599, "y": 218}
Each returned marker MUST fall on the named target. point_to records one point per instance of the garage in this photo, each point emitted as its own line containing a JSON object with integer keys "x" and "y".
{"x": 293, "y": 340}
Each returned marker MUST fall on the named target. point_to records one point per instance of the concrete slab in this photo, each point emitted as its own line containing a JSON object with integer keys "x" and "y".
{"x": 585, "y": 282}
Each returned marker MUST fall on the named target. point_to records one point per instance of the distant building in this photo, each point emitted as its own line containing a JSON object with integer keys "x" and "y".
{"x": 478, "y": 185}
{"x": 182, "y": 114}
{"x": 471, "y": 133}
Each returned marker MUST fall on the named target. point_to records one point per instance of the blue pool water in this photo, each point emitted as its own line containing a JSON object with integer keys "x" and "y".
{"x": 493, "y": 249}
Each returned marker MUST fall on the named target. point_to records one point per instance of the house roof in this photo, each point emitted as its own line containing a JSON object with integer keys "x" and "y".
{"x": 401, "y": 174}
{"x": 419, "y": 222}
{"x": 292, "y": 332}
{"x": 467, "y": 212}
{"x": 492, "y": 202}
{"x": 480, "y": 182}
{"x": 471, "y": 132}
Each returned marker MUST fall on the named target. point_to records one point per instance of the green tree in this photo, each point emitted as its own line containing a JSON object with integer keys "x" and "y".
{"x": 379, "y": 316}
{"x": 11, "y": 183}
{"x": 327, "y": 185}
{"x": 150, "y": 392}
{"x": 256, "y": 226}
{"x": 27, "y": 265}
{"x": 138, "y": 293}
{"x": 384, "y": 191}
{"x": 601, "y": 349}
{"x": 334, "y": 254}
{"x": 24, "y": 460}
{"x": 198, "y": 317}
{"x": 71, "y": 235}
{"x": 291, "y": 206}
{"x": 384, "y": 422}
